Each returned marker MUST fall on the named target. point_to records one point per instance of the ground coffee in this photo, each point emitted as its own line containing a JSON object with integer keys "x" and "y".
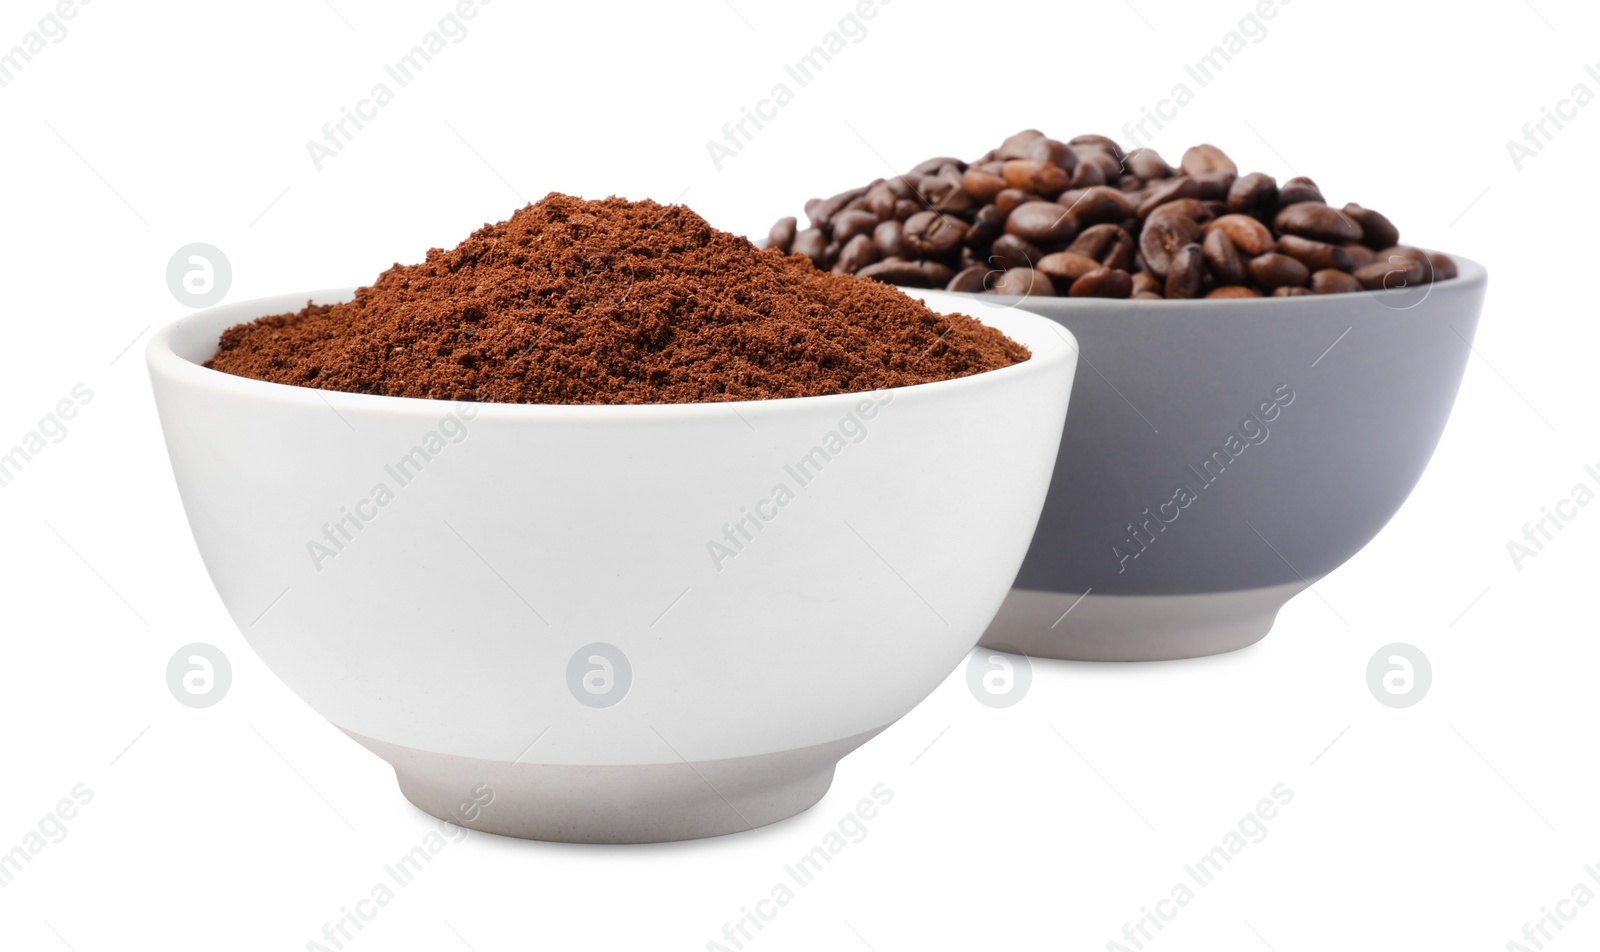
{"x": 574, "y": 301}
{"x": 1084, "y": 218}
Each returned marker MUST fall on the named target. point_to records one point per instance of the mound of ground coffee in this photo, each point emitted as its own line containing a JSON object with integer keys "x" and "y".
{"x": 574, "y": 301}
{"x": 1084, "y": 218}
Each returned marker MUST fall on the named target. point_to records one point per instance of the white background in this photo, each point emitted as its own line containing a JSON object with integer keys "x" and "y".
{"x": 1047, "y": 825}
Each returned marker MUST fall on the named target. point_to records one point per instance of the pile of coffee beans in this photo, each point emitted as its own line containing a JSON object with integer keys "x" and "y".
{"x": 1083, "y": 218}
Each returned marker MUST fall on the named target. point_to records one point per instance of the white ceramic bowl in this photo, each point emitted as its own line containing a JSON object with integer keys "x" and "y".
{"x": 1226, "y": 454}
{"x": 530, "y": 602}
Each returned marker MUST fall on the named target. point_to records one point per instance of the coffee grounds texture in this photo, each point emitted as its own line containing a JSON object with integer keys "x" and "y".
{"x": 612, "y": 302}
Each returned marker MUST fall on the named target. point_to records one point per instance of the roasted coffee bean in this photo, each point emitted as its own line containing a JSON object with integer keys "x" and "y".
{"x": 1103, "y": 283}
{"x": 1372, "y": 276}
{"x": 1015, "y": 147}
{"x": 903, "y": 186}
{"x": 1146, "y": 296}
{"x": 812, "y": 243}
{"x": 1009, "y": 251}
{"x": 1111, "y": 245}
{"x": 1201, "y": 159}
{"x": 912, "y": 274}
{"x": 1145, "y": 283}
{"x": 932, "y": 235}
{"x": 1186, "y": 273}
{"x": 1067, "y": 266}
{"x": 906, "y": 207}
{"x": 1214, "y": 186}
{"x": 849, "y": 224}
{"x": 887, "y": 237}
{"x": 1008, "y": 199}
{"x": 1194, "y": 210}
{"x": 1332, "y": 281}
{"x": 982, "y": 184}
{"x": 1299, "y": 189}
{"x": 969, "y": 280}
{"x": 1233, "y": 291}
{"x": 782, "y": 234}
{"x": 1087, "y": 175}
{"x": 1273, "y": 271}
{"x": 857, "y": 253}
{"x": 1042, "y": 223}
{"x": 1443, "y": 267}
{"x": 1359, "y": 254}
{"x": 1022, "y": 281}
{"x": 1071, "y": 195}
{"x": 1287, "y": 291}
{"x": 1376, "y": 230}
{"x": 988, "y": 224}
{"x": 1110, "y": 165}
{"x": 1099, "y": 204}
{"x": 955, "y": 201}
{"x": 1170, "y": 190}
{"x": 1248, "y": 235}
{"x": 1040, "y": 178}
{"x": 1223, "y": 258}
{"x": 1315, "y": 255}
{"x": 1317, "y": 221}
{"x": 880, "y": 201}
{"x": 1162, "y": 238}
{"x": 826, "y": 209}
{"x": 933, "y": 165}
{"x": 1129, "y": 184}
{"x": 933, "y": 189}
{"x": 1147, "y": 164}
{"x": 1102, "y": 143}
{"x": 1392, "y": 272}
{"x": 1053, "y": 151}
{"x": 1415, "y": 254}
{"x": 1253, "y": 194}
{"x": 952, "y": 174}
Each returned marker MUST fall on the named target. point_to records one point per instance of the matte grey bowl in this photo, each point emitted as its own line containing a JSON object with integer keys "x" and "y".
{"x": 1224, "y": 455}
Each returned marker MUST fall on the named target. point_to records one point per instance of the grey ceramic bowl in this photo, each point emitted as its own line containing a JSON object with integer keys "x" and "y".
{"x": 1224, "y": 455}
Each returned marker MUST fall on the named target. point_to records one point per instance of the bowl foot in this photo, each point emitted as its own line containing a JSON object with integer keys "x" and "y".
{"x": 646, "y": 803}
{"x": 1136, "y": 627}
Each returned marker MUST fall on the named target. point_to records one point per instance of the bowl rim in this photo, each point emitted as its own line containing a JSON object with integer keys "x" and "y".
{"x": 1053, "y": 349}
{"x": 1469, "y": 272}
